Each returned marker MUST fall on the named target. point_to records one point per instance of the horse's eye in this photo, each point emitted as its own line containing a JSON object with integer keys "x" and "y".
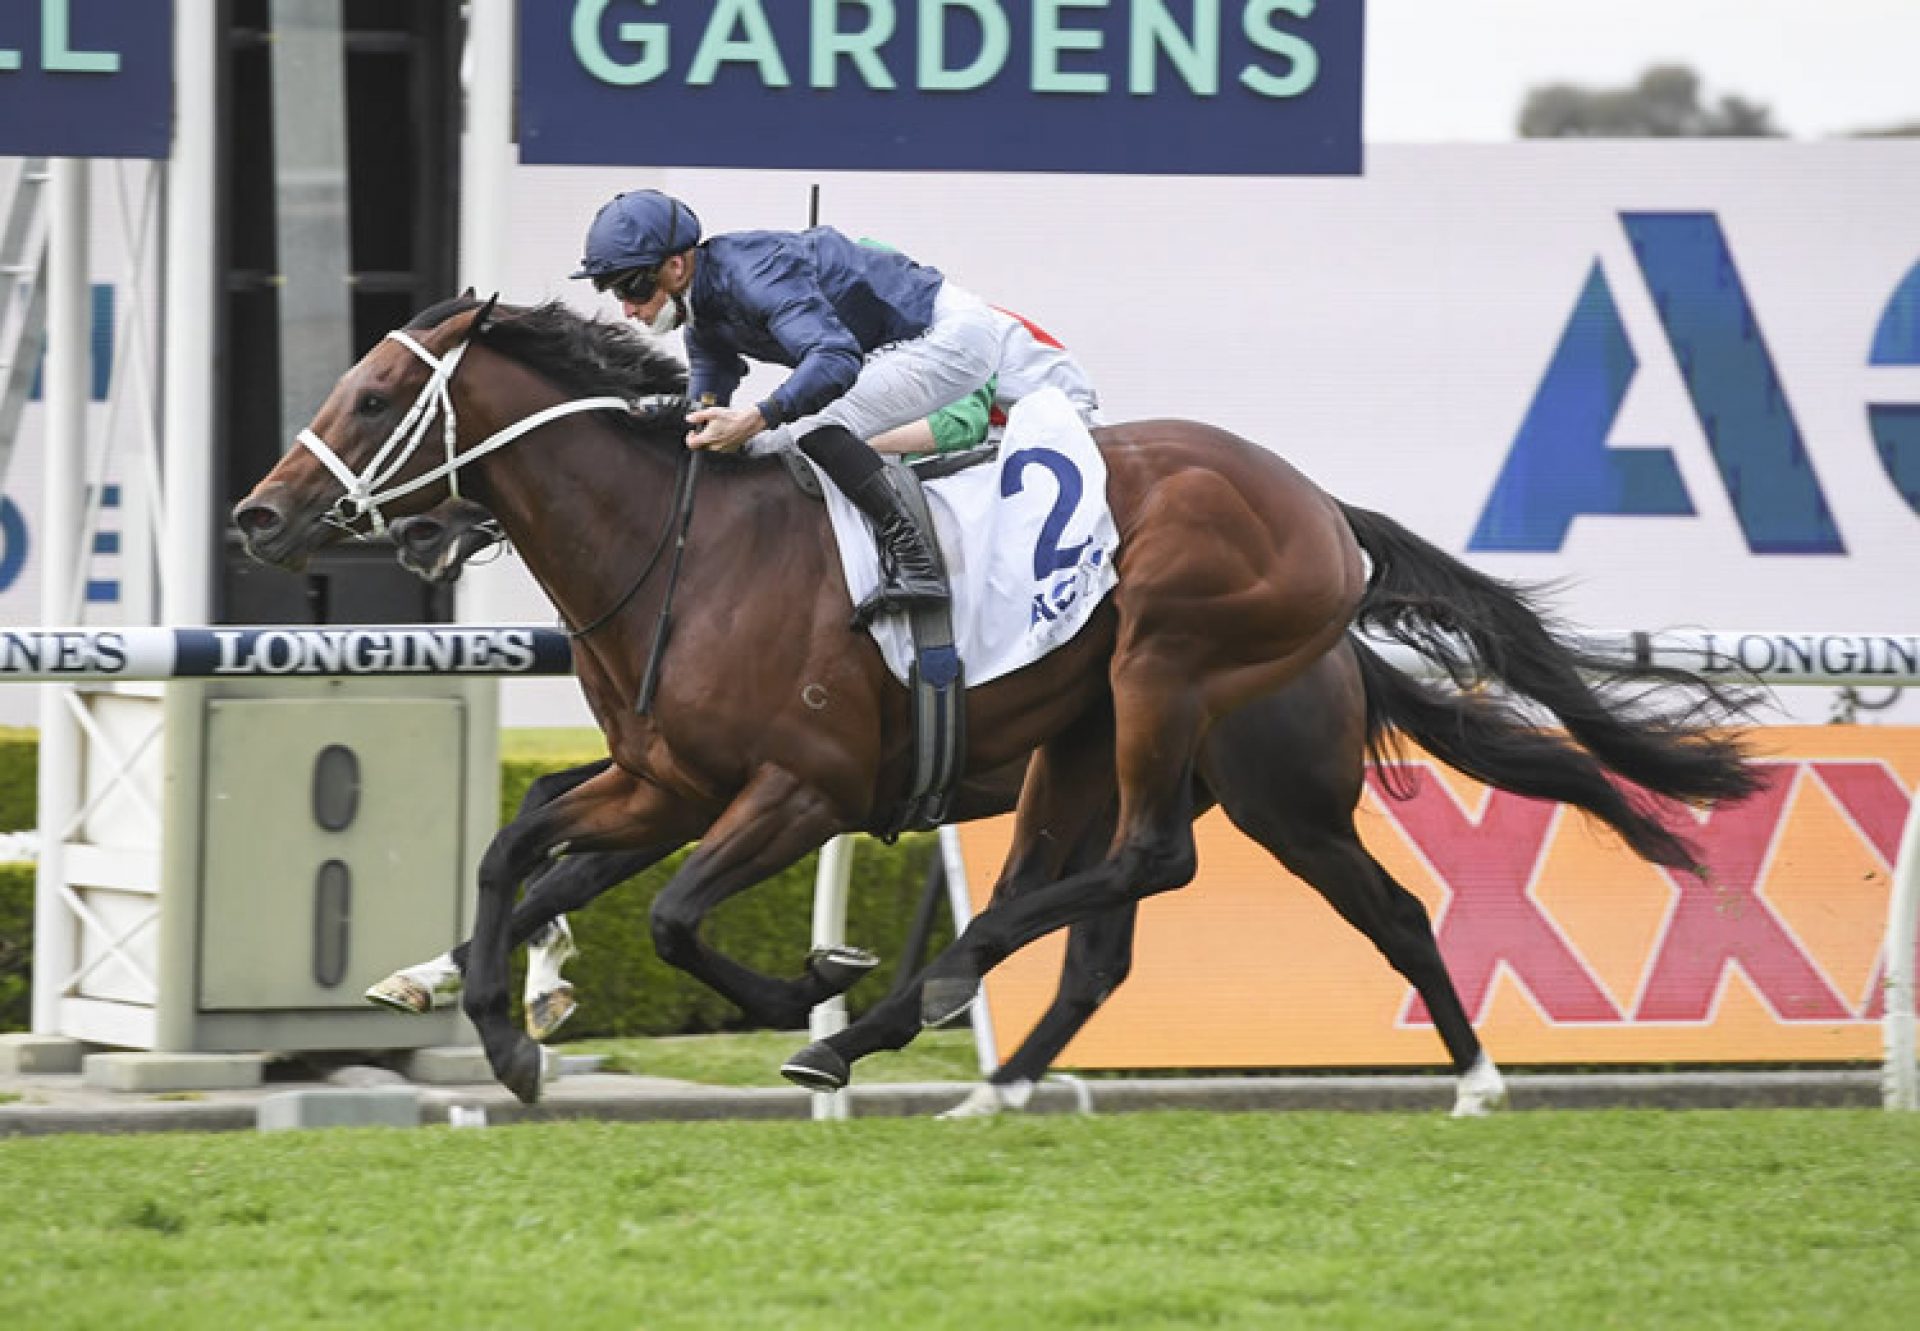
{"x": 372, "y": 404}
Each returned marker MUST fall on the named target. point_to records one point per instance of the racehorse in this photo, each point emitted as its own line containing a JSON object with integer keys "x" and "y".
{"x": 775, "y": 728}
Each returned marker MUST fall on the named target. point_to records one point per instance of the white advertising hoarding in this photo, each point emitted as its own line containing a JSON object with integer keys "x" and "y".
{"x": 1647, "y": 370}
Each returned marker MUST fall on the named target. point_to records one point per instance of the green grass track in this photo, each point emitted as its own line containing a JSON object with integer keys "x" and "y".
{"x": 1565, "y": 1220}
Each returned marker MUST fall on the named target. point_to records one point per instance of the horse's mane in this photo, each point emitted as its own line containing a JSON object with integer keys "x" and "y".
{"x": 589, "y": 358}
{"x": 580, "y": 355}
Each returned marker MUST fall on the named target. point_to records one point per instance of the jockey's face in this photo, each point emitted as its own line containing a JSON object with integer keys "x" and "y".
{"x": 676, "y": 275}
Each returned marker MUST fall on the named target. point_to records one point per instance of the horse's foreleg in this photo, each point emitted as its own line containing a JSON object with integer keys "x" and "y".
{"x": 546, "y": 996}
{"x": 547, "y": 999}
{"x": 774, "y": 822}
{"x": 539, "y": 922}
{"x": 436, "y": 983}
{"x": 612, "y": 809}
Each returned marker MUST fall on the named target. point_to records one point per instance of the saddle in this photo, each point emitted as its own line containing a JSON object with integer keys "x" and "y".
{"x": 936, "y": 683}
{"x": 931, "y": 467}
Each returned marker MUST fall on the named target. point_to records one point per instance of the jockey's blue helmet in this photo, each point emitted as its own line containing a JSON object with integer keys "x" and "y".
{"x": 638, "y": 229}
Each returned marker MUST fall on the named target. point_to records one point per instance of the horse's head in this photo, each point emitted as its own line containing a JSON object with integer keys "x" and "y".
{"x": 361, "y": 460}
{"x": 436, "y": 545}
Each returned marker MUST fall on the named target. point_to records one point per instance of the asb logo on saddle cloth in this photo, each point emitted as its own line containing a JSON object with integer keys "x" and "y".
{"x": 1563, "y": 946}
{"x": 1561, "y": 465}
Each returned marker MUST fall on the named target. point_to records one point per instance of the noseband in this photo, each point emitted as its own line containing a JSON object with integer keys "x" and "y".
{"x": 364, "y": 493}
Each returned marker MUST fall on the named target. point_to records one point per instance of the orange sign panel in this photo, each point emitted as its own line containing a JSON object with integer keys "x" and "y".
{"x": 1565, "y": 947}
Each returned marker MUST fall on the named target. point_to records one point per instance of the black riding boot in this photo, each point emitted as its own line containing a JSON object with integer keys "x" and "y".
{"x": 910, "y": 573}
{"x": 910, "y": 569}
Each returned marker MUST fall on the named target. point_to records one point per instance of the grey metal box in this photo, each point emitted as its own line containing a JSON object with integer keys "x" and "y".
{"x": 296, "y": 915}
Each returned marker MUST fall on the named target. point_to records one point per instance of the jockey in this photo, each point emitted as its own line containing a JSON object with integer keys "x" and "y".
{"x": 874, "y": 341}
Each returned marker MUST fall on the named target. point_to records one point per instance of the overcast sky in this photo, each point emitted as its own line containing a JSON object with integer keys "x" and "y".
{"x": 1458, "y": 70}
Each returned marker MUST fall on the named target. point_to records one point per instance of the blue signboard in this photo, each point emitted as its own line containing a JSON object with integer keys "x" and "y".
{"x": 1193, "y": 87}
{"x": 86, "y": 78}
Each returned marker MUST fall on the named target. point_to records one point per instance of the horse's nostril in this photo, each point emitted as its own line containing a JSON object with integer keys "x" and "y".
{"x": 418, "y": 534}
{"x": 256, "y": 519}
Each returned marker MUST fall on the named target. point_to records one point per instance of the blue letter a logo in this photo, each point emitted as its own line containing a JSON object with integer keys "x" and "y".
{"x": 1560, "y": 465}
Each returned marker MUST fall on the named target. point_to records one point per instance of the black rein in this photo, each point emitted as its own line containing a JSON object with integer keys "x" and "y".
{"x": 686, "y": 474}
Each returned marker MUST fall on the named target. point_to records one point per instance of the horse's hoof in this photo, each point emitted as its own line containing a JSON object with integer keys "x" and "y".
{"x": 548, "y": 1012}
{"x": 983, "y": 1101}
{"x": 403, "y": 994}
{"x": 525, "y": 1071}
{"x": 818, "y": 1068}
{"x": 1482, "y": 1090}
{"x": 841, "y": 967}
{"x": 943, "y": 998}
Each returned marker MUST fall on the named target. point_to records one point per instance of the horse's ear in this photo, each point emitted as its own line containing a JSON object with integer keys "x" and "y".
{"x": 469, "y": 294}
{"x": 485, "y": 317}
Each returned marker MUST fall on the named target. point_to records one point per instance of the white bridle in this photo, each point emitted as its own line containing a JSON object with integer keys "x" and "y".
{"x": 364, "y": 494}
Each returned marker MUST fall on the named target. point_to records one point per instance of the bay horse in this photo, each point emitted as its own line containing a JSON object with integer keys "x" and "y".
{"x": 776, "y": 728}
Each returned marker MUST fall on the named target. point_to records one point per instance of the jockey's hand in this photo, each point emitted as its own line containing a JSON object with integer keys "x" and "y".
{"x": 723, "y": 429}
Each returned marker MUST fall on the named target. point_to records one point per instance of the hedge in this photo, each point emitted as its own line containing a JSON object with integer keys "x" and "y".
{"x": 19, "y": 778}
{"x": 16, "y": 947}
{"x": 624, "y": 989}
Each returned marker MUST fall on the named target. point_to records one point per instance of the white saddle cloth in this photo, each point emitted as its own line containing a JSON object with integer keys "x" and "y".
{"x": 1028, "y": 539}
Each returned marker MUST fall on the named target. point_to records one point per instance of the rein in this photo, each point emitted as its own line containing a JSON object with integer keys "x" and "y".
{"x": 684, "y": 476}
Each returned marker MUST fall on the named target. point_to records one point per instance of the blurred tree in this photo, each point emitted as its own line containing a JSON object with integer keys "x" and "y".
{"x": 1664, "y": 104}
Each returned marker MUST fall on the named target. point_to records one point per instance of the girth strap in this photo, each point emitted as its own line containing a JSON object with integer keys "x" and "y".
{"x": 936, "y": 690}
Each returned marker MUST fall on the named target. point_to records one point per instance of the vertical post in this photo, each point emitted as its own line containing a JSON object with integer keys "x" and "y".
{"x": 311, "y": 197}
{"x": 1900, "y": 1079}
{"x": 486, "y": 206}
{"x": 830, "y": 930}
{"x": 189, "y": 543}
{"x": 56, "y": 933}
{"x": 955, "y": 863}
{"x": 486, "y": 148}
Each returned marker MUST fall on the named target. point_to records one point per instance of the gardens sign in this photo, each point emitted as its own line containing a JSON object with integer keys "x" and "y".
{"x": 86, "y": 78}
{"x": 1206, "y": 87}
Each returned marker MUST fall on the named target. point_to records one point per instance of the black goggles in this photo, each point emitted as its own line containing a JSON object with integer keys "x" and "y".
{"x": 635, "y": 284}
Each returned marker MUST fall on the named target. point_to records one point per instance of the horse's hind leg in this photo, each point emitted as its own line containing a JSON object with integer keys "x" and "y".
{"x": 1099, "y": 956}
{"x": 1334, "y": 863}
{"x": 1289, "y": 771}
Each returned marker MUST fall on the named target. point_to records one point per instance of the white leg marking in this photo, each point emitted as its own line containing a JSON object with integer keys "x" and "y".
{"x": 431, "y": 984}
{"x": 547, "y": 997}
{"x": 1482, "y": 1090}
{"x": 987, "y": 1099}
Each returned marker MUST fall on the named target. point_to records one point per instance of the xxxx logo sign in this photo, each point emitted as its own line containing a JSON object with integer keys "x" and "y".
{"x": 1493, "y": 861}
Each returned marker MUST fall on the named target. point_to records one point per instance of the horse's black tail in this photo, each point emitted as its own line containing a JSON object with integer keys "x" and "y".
{"x": 1658, "y": 727}
{"x": 1494, "y": 743}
